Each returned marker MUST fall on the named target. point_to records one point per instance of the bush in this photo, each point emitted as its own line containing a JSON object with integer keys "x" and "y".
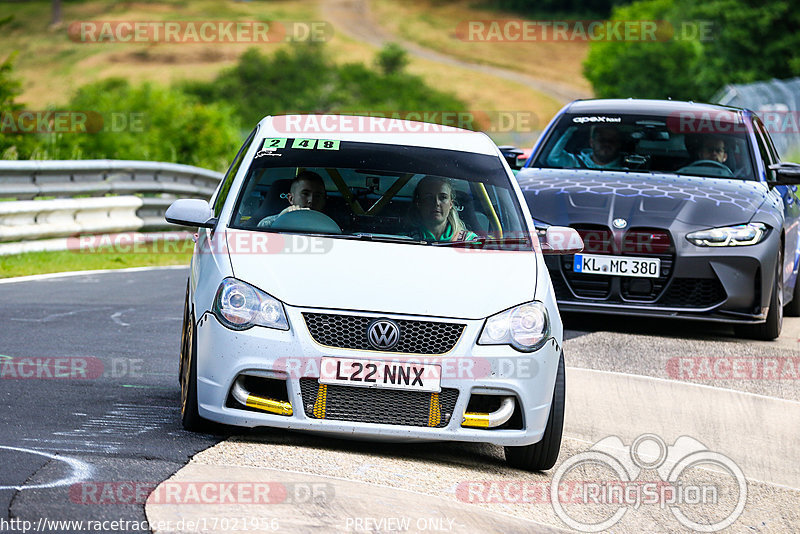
{"x": 148, "y": 122}
{"x": 304, "y": 80}
{"x": 561, "y": 8}
{"x": 391, "y": 59}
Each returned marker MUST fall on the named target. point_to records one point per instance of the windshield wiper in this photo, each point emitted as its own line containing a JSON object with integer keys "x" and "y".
{"x": 482, "y": 241}
{"x": 386, "y": 238}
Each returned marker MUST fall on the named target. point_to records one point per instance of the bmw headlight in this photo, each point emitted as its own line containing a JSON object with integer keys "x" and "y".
{"x": 525, "y": 327}
{"x": 240, "y": 306}
{"x": 729, "y": 236}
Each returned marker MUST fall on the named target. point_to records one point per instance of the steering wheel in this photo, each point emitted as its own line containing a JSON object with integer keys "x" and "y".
{"x": 306, "y": 220}
{"x": 707, "y": 163}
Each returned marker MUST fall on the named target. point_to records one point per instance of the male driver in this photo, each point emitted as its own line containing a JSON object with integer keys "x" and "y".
{"x": 307, "y": 192}
{"x": 605, "y": 143}
{"x": 713, "y": 149}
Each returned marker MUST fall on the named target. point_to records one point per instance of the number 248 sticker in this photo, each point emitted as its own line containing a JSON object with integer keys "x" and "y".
{"x": 319, "y": 144}
{"x": 308, "y": 144}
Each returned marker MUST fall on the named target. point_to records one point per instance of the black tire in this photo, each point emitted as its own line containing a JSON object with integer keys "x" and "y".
{"x": 184, "y": 328}
{"x": 771, "y": 328}
{"x": 793, "y": 308}
{"x": 543, "y": 455}
{"x": 190, "y": 416}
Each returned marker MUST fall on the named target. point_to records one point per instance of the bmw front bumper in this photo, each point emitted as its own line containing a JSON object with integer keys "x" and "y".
{"x": 725, "y": 284}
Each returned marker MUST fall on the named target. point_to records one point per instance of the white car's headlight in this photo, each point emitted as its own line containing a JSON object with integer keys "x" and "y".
{"x": 240, "y": 306}
{"x": 525, "y": 327}
{"x": 729, "y": 236}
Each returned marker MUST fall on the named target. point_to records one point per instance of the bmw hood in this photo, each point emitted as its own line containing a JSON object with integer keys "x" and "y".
{"x": 346, "y": 274}
{"x": 564, "y": 197}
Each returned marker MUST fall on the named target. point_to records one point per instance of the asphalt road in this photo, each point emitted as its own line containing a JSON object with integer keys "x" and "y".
{"x": 103, "y": 351}
{"x": 102, "y": 406}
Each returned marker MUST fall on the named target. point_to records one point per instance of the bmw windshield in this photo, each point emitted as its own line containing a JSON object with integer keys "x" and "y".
{"x": 717, "y": 147}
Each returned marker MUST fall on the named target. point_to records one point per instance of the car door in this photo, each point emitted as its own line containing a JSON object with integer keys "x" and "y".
{"x": 791, "y": 204}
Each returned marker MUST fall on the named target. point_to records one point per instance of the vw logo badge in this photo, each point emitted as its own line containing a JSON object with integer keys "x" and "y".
{"x": 619, "y": 223}
{"x": 383, "y": 334}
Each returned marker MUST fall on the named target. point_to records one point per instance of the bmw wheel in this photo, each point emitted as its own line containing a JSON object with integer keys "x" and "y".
{"x": 793, "y": 308}
{"x": 771, "y": 328}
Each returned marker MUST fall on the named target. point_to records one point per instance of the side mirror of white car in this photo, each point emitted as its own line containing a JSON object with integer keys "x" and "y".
{"x": 562, "y": 240}
{"x": 191, "y": 212}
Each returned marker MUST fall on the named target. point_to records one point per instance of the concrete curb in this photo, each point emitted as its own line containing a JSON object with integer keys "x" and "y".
{"x": 300, "y": 502}
{"x": 735, "y": 423}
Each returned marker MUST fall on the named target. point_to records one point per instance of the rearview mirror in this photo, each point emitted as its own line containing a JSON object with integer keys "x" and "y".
{"x": 191, "y": 212}
{"x": 562, "y": 240}
{"x": 511, "y": 154}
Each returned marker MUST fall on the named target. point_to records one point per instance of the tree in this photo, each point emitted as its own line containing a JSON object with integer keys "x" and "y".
{"x": 751, "y": 41}
{"x": 748, "y": 41}
{"x": 12, "y": 145}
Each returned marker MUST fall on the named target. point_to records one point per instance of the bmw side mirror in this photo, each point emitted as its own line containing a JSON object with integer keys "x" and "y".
{"x": 787, "y": 173}
{"x": 192, "y": 212}
{"x": 562, "y": 240}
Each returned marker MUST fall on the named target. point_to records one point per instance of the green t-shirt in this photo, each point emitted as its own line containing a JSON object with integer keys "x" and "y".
{"x": 426, "y": 235}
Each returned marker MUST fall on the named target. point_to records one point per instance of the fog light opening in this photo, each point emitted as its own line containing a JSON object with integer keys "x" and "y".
{"x": 492, "y": 411}
{"x": 261, "y": 394}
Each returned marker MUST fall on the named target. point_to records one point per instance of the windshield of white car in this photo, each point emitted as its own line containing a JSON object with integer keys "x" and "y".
{"x": 377, "y": 192}
{"x": 714, "y": 147}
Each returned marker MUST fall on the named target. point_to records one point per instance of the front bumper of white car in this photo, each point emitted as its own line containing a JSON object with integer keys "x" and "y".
{"x": 482, "y": 377}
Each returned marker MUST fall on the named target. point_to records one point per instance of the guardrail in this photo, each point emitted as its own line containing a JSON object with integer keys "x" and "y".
{"x": 114, "y": 196}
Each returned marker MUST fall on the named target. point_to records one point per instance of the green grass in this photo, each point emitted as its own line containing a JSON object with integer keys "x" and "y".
{"x": 121, "y": 257}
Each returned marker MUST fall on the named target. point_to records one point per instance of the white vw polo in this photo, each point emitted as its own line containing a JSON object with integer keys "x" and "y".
{"x": 373, "y": 278}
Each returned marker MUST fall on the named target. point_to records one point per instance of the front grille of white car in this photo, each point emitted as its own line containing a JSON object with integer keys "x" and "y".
{"x": 383, "y": 406}
{"x": 350, "y": 332}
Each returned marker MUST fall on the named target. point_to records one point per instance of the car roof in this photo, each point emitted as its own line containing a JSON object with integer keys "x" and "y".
{"x": 644, "y": 106}
{"x": 377, "y": 130}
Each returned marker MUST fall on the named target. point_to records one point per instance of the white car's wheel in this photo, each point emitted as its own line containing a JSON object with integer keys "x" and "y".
{"x": 543, "y": 455}
{"x": 190, "y": 417}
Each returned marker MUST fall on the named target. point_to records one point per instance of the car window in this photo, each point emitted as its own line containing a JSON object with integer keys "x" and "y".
{"x": 765, "y": 149}
{"x": 225, "y": 185}
{"x": 374, "y": 190}
{"x": 717, "y": 147}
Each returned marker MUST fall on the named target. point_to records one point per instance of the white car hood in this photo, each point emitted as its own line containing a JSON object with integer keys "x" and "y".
{"x": 384, "y": 277}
